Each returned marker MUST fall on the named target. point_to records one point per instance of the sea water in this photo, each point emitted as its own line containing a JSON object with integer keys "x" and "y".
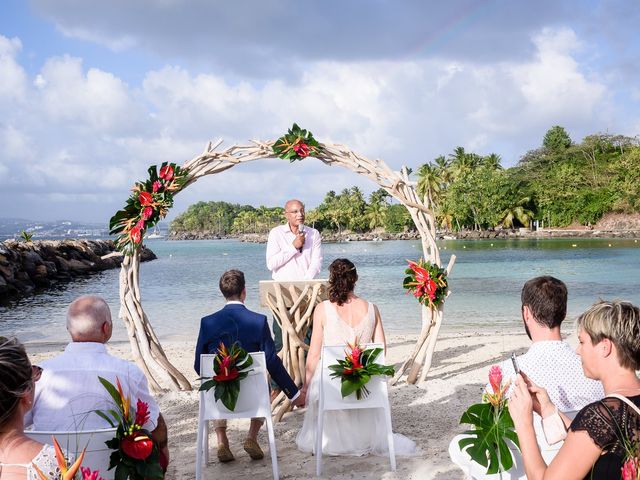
{"x": 181, "y": 286}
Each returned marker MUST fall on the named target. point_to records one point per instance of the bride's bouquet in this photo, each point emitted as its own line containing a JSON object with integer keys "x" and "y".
{"x": 357, "y": 368}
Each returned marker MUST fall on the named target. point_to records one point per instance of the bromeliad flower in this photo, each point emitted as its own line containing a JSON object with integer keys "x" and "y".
{"x": 67, "y": 472}
{"x": 87, "y": 474}
{"x": 229, "y": 366}
{"x": 147, "y": 212}
{"x": 142, "y": 413}
{"x": 631, "y": 469}
{"x": 427, "y": 282}
{"x": 357, "y": 368}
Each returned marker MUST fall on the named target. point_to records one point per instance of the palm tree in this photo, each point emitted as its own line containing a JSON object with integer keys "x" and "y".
{"x": 462, "y": 163}
{"x": 492, "y": 161}
{"x": 376, "y": 213}
{"x": 429, "y": 183}
{"x": 517, "y": 212}
{"x": 444, "y": 169}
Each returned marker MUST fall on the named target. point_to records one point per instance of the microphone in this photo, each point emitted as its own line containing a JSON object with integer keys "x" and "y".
{"x": 300, "y": 231}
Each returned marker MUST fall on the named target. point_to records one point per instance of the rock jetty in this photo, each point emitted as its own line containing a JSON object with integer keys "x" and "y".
{"x": 26, "y": 267}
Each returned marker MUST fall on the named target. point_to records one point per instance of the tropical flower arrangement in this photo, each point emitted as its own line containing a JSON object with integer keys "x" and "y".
{"x": 230, "y": 366}
{"x": 67, "y": 472}
{"x": 631, "y": 466}
{"x": 135, "y": 456}
{"x": 427, "y": 281}
{"x": 296, "y": 145}
{"x": 492, "y": 426}
{"x": 357, "y": 368}
{"x": 149, "y": 202}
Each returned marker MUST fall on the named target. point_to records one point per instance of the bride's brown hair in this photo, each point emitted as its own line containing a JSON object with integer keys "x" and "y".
{"x": 342, "y": 280}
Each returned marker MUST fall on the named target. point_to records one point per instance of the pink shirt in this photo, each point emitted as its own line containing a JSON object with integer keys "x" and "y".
{"x": 286, "y": 262}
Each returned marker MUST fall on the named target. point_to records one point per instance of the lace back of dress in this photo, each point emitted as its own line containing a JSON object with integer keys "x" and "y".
{"x": 337, "y": 331}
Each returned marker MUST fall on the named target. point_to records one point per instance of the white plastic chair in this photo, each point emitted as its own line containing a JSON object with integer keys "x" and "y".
{"x": 253, "y": 401}
{"x": 476, "y": 471}
{"x": 331, "y": 398}
{"x": 97, "y": 454}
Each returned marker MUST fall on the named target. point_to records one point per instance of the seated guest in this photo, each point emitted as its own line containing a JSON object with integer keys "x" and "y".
{"x": 551, "y": 362}
{"x": 19, "y": 455}
{"x": 594, "y": 448}
{"x": 236, "y": 323}
{"x": 69, "y": 390}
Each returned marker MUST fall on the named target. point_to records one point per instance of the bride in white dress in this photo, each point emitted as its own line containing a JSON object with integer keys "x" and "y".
{"x": 345, "y": 318}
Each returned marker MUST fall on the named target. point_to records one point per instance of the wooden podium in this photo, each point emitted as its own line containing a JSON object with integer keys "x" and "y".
{"x": 292, "y": 305}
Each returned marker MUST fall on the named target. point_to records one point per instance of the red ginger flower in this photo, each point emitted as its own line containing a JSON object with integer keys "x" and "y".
{"x": 495, "y": 378}
{"x": 630, "y": 469}
{"x": 354, "y": 357}
{"x": 87, "y": 474}
{"x": 147, "y": 213}
{"x": 137, "y": 445}
{"x": 227, "y": 370}
{"x": 156, "y": 186}
{"x": 142, "y": 413}
{"x": 166, "y": 173}
{"x": 301, "y": 149}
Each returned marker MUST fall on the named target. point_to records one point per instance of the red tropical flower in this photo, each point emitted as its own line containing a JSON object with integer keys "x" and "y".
{"x": 166, "y": 173}
{"x": 145, "y": 199}
{"x": 87, "y": 474}
{"x": 495, "y": 378}
{"x": 631, "y": 469}
{"x": 353, "y": 357}
{"x": 137, "y": 445}
{"x": 136, "y": 234}
{"x": 142, "y": 413}
{"x": 156, "y": 186}
{"x": 227, "y": 369}
{"x": 301, "y": 149}
{"x": 147, "y": 213}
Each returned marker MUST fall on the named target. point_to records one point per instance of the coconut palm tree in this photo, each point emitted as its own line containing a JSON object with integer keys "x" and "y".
{"x": 492, "y": 161}
{"x": 429, "y": 183}
{"x": 376, "y": 214}
{"x": 517, "y": 212}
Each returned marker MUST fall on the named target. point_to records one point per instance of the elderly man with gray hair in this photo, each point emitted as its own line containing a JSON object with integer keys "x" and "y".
{"x": 69, "y": 390}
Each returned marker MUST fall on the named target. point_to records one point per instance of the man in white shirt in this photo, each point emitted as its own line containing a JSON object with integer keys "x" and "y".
{"x": 551, "y": 362}
{"x": 69, "y": 389}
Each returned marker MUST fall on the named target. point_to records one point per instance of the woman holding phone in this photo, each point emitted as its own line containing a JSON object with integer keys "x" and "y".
{"x": 595, "y": 445}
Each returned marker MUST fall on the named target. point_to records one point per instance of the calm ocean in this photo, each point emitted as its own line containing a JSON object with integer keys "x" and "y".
{"x": 181, "y": 286}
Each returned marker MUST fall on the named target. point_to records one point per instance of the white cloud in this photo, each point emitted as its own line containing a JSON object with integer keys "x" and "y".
{"x": 13, "y": 83}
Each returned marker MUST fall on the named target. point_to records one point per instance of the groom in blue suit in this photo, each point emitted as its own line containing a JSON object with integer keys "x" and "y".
{"x": 236, "y": 323}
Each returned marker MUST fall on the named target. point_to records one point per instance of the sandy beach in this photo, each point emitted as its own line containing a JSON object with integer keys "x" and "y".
{"x": 429, "y": 413}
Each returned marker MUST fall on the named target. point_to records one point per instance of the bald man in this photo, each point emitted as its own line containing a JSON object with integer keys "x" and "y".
{"x": 69, "y": 390}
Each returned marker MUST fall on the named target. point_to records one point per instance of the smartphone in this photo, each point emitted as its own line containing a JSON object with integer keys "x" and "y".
{"x": 515, "y": 363}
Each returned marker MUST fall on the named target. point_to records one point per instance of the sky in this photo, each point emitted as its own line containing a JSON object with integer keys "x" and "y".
{"x": 92, "y": 93}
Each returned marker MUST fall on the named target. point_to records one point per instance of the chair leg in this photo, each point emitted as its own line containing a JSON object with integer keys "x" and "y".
{"x": 392, "y": 448}
{"x": 199, "y": 445}
{"x": 272, "y": 447}
{"x": 319, "y": 441}
{"x": 206, "y": 442}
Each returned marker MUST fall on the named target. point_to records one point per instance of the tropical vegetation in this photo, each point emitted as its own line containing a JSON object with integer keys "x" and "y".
{"x": 557, "y": 184}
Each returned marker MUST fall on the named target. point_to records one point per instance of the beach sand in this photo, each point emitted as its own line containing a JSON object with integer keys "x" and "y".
{"x": 429, "y": 414}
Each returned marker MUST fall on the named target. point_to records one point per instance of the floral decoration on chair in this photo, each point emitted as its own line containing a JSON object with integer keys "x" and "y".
{"x": 296, "y": 145}
{"x": 148, "y": 204}
{"x": 492, "y": 426}
{"x": 357, "y": 368}
{"x": 135, "y": 456}
{"x": 230, "y": 366}
{"x": 427, "y": 281}
{"x": 631, "y": 466}
{"x": 67, "y": 472}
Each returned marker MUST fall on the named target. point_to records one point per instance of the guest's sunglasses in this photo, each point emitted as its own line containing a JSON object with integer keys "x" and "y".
{"x": 36, "y": 372}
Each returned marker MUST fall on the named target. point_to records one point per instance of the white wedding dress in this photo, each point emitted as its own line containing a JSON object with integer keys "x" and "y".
{"x": 348, "y": 432}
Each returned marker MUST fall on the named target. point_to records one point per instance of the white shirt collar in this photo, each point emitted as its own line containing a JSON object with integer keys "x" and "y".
{"x": 85, "y": 347}
{"x": 235, "y": 302}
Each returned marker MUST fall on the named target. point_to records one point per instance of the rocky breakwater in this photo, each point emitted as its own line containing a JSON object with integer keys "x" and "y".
{"x": 28, "y": 266}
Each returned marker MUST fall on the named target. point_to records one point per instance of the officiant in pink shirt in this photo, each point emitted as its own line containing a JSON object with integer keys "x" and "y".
{"x": 294, "y": 252}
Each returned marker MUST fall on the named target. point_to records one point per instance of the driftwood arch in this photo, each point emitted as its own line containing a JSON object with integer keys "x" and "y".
{"x": 146, "y": 348}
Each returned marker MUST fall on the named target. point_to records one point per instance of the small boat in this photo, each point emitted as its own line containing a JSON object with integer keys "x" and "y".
{"x": 156, "y": 234}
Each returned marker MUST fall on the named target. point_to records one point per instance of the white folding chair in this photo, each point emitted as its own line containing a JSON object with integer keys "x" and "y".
{"x": 253, "y": 401}
{"x": 97, "y": 454}
{"x": 331, "y": 398}
{"x": 476, "y": 471}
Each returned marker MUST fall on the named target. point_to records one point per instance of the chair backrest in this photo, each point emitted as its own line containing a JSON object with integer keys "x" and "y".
{"x": 253, "y": 399}
{"x": 330, "y": 387}
{"x": 97, "y": 454}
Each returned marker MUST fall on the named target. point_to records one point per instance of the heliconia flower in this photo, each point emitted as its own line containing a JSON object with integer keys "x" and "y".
{"x": 147, "y": 213}
{"x": 68, "y": 472}
{"x": 137, "y": 445}
{"x": 301, "y": 149}
{"x": 630, "y": 469}
{"x": 87, "y": 474}
{"x": 156, "y": 186}
{"x": 226, "y": 361}
{"x": 166, "y": 173}
{"x": 495, "y": 378}
{"x": 145, "y": 199}
{"x": 142, "y": 413}
{"x": 125, "y": 402}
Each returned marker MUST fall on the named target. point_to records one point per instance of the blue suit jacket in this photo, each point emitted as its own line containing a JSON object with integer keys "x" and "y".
{"x": 236, "y": 323}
